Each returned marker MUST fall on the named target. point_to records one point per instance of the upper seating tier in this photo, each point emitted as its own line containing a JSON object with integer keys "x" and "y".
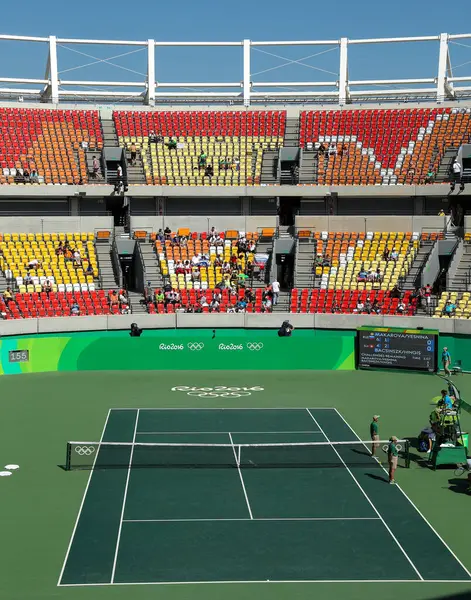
{"x": 49, "y": 143}
{"x": 382, "y": 146}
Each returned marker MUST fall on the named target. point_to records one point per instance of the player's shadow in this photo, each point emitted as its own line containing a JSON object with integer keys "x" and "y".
{"x": 458, "y": 485}
{"x": 383, "y": 478}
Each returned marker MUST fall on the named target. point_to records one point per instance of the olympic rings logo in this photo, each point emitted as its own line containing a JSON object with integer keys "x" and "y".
{"x": 255, "y": 346}
{"x": 197, "y": 346}
{"x": 84, "y": 450}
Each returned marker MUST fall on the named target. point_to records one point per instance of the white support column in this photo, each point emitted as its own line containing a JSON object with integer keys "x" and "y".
{"x": 150, "y": 96}
{"x": 444, "y": 89}
{"x": 53, "y": 74}
{"x": 344, "y": 91}
{"x": 246, "y": 81}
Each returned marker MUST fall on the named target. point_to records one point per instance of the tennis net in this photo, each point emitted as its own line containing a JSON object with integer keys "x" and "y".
{"x": 102, "y": 455}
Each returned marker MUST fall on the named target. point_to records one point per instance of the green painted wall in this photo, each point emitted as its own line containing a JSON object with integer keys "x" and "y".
{"x": 459, "y": 346}
{"x": 182, "y": 349}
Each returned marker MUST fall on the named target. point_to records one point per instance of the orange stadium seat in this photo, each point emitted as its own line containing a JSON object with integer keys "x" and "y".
{"x": 379, "y": 146}
{"x": 50, "y": 142}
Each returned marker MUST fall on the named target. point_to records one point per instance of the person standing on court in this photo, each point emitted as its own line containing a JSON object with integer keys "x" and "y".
{"x": 446, "y": 361}
{"x": 374, "y": 434}
{"x": 392, "y": 457}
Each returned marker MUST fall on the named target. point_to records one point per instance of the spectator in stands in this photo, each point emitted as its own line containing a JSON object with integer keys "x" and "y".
{"x": 321, "y": 149}
{"x": 427, "y": 293}
{"x": 202, "y": 160}
{"x": 113, "y": 298}
{"x": 47, "y": 287}
{"x": 362, "y": 275}
{"x": 7, "y": 294}
{"x": 160, "y": 297}
{"x": 386, "y": 254}
{"x": 89, "y": 270}
{"x": 209, "y": 171}
{"x": 172, "y": 144}
{"x": 332, "y": 149}
{"x": 95, "y": 167}
{"x": 60, "y": 249}
{"x": 236, "y": 163}
{"x": 214, "y": 305}
{"x": 430, "y": 177}
{"x": 28, "y": 279}
{"x": 167, "y": 232}
{"x": 34, "y": 177}
{"x": 268, "y": 304}
{"x": 394, "y": 254}
{"x": 326, "y": 261}
{"x": 241, "y": 305}
{"x": 457, "y": 173}
{"x": 34, "y": 263}
{"x": 133, "y": 150}
{"x": 401, "y": 307}
{"x": 360, "y": 307}
{"x": 77, "y": 257}
{"x": 449, "y": 309}
{"x": 123, "y": 299}
{"x": 376, "y": 308}
{"x": 379, "y": 275}
{"x": 160, "y": 235}
{"x": 74, "y": 309}
{"x": 368, "y": 305}
{"x": 26, "y": 175}
{"x": 152, "y": 137}
{"x": 441, "y": 213}
{"x": 275, "y": 287}
{"x": 395, "y": 292}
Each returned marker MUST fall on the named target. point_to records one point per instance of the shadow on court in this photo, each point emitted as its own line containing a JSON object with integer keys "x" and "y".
{"x": 377, "y": 477}
{"x": 459, "y": 485}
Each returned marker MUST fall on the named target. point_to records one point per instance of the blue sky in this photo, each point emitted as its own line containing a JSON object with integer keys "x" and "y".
{"x": 257, "y": 20}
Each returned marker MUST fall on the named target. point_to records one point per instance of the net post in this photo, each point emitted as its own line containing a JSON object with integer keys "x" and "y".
{"x": 239, "y": 450}
{"x": 67, "y": 458}
{"x": 407, "y": 454}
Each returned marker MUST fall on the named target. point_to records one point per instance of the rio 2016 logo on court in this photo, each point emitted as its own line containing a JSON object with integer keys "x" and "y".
{"x": 219, "y": 391}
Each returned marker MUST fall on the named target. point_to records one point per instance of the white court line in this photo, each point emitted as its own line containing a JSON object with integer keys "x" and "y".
{"x": 423, "y": 582}
{"x": 367, "y": 497}
{"x": 124, "y": 499}
{"x": 416, "y": 508}
{"x": 83, "y": 502}
{"x": 250, "y": 520}
{"x": 240, "y": 475}
{"x": 228, "y": 408}
{"x": 220, "y": 432}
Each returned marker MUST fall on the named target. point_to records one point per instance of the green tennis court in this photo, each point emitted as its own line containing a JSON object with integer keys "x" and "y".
{"x": 41, "y": 501}
{"x": 310, "y": 520}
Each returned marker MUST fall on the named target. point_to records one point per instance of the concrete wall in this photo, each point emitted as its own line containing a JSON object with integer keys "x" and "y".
{"x": 54, "y": 224}
{"x": 224, "y": 321}
{"x": 199, "y": 224}
{"x": 371, "y": 223}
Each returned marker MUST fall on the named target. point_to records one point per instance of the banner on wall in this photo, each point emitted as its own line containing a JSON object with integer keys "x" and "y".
{"x": 187, "y": 350}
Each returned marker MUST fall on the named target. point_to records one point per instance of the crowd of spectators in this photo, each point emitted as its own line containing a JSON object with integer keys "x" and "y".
{"x": 234, "y": 299}
{"x": 235, "y": 271}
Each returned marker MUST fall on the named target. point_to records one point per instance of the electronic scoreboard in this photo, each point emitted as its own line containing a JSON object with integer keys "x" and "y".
{"x": 392, "y": 348}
